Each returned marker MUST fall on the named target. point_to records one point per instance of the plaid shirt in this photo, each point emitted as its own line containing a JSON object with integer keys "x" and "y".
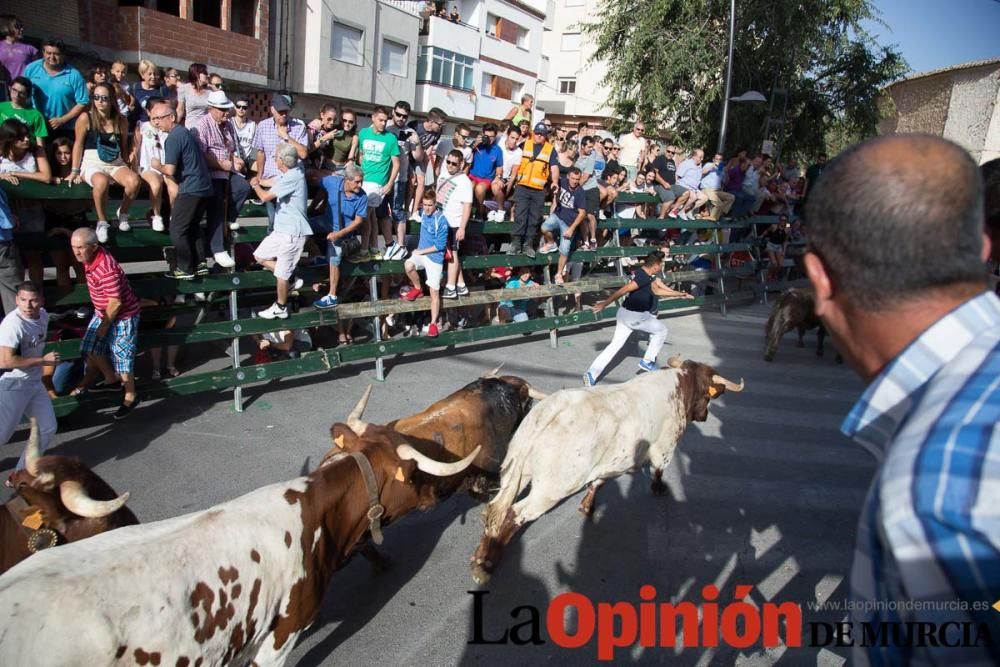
{"x": 217, "y": 140}
{"x": 267, "y": 140}
{"x": 930, "y": 529}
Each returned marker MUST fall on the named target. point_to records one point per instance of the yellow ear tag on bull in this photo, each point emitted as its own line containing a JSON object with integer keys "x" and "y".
{"x": 339, "y": 441}
{"x": 33, "y": 520}
{"x": 712, "y": 392}
{"x": 399, "y": 474}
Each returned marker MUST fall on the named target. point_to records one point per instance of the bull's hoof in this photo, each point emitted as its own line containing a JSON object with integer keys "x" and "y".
{"x": 480, "y": 575}
{"x": 586, "y": 510}
{"x": 658, "y": 487}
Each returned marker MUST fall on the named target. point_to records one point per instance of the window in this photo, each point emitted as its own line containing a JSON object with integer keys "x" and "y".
{"x": 507, "y": 30}
{"x": 502, "y": 88}
{"x": 445, "y": 68}
{"x": 172, "y": 7}
{"x": 209, "y": 13}
{"x": 242, "y": 17}
{"x": 567, "y": 86}
{"x": 347, "y": 44}
{"x": 393, "y": 59}
{"x": 570, "y": 41}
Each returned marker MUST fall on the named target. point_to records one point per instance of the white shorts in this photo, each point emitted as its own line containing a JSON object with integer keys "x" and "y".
{"x": 432, "y": 268}
{"x": 284, "y": 249}
{"x": 93, "y": 165}
{"x": 374, "y": 192}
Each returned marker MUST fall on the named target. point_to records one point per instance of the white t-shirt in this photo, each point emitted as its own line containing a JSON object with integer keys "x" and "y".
{"x": 511, "y": 159}
{"x": 632, "y": 146}
{"x": 444, "y": 146}
{"x": 453, "y": 192}
{"x": 245, "y": 139}
{"x": 148, "y": 149}
{"x": 27, "y": 339}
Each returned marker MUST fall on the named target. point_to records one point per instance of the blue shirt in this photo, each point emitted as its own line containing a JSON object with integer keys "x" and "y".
{"x": 342, "y": 208}
{"x": 569, "y": 202}
{"x": 434, "y": 232}
{"x": 181, "y": 150}
{"x": 6, "y": 219}
{"x": 55, "y": 94}
{"x": 485, "y": 161}
{"x": 290, "y": 216}
{"x": 929, "y": 529}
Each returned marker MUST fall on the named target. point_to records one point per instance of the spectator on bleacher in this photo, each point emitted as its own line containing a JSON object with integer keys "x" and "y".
{"x": 410, "y": 149}
{"x": 192, "y": 97}
{"x": 123, "y": 89}
{"x": 569, "y": 211}
{"x": 600, "y": 157}
{"x": 504, "y": 189}
{"x": 776, "y": 239}
{"x": 379, "y": 153}
{"x": 509, "y": 310}
{"x": 151, "y": 142}
{"x": 281, "y": 249}
{"x": 22, "y": 342}
{"x": 751, "y": 183}
{"x": 114, "y": 326}
{"x": 279, "y": 128}
{"x": 613, "y": 164}
{"x": 524, "y": 129}
{"x": 689, "y": 180}
{"x": 149, "y": 86}
{"x": 184, "y": 163}
{"x": 290, "y": 343}
{"x": 459, "y": 141}
{"x": 22, "y": 158}
{"x": 454, "y": 196}
{"x": 567, "y": 152}
{"x": 101, "y": 154}
{"x": 14, "y": 54}
{"x": 58, "y": 90}
{"x": 19, "y": 107}
{"x": 323, "y": 130}
{"x": 538, "y": 174}
{"x": 346, "y": 211}
{"x": 429, "y": 257}
{"x": 587, "y": 164}
{"x": 216, "y": 138}
{"x": 11, "y": 270}
{"x": 172, "y": 81}
{"x": 215, "y": 82}
{"x": 633, "y": 149}
{"x": 245, "y": 131}
{"x": 429, "y": 133}
{"x": 666, "y": 178}
{"x": 521, "y": 113}
{"x": 486, "y": 172}
{"x": 711, "y": 193}
{"x": 735, "y": 175}
{"x": 63, "y": 216}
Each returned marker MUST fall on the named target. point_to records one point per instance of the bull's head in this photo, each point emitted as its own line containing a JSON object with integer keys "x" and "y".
{"x": 700, "y": 384}
{"x": 58, "y": 486}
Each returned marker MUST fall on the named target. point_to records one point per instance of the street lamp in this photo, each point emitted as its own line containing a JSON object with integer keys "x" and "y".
{"x": 748, "y": 96}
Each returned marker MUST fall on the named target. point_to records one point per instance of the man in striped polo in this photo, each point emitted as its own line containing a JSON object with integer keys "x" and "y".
{"x": 114, "y": 327}
{"x": 901, "y": 286}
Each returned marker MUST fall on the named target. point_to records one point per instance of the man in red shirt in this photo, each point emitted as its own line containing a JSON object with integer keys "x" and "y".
{"x": 113, "y": 328}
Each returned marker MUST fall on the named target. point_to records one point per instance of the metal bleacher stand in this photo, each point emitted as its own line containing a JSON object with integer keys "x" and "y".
{"x": 143, "y": 244}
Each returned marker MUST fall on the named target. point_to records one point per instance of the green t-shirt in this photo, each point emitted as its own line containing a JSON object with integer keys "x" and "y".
{"x": 33, "y": 119}
{"x": 377, "y": 151}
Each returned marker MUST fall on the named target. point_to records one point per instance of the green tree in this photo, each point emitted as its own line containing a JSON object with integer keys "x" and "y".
{"x": 666, "y": 64}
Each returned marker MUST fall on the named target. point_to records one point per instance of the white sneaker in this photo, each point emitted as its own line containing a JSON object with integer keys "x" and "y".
{"x": 158, "y": 225}
{"x": 500, "y": 216}
{"x": 123, "y": 225}
{"x": 274, "y": 312}
{"x": 234, "y": 225}
{"x": 391, "y": 251}
{"x": 102, "y": 231}
{"x": 415, "y": 217}
{"x": 224, "y": 260}
{"x": 296, "y": 285}
{"x": 492, "y": 216}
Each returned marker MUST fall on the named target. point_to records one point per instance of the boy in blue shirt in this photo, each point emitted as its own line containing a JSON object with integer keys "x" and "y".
{"x": 346, "y": 210}
{"x": 428, "y": 256}
{"x": 487, "y": 164}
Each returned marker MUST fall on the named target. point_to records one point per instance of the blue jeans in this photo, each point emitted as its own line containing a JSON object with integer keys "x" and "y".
{"x": 399, "y": 201}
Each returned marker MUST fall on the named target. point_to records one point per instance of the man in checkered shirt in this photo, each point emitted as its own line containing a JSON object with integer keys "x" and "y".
{"x": 279, "y": 128}
{"x": 896, "y": 257}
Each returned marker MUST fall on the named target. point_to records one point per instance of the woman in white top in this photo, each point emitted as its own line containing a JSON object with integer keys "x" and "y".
{"x": 21, "y": 157}
{"x": 151, "y": 142}
{"x": 192, "y": 97}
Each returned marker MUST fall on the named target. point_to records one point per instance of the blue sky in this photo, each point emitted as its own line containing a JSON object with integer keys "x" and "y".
{"x": 939, "y": 33}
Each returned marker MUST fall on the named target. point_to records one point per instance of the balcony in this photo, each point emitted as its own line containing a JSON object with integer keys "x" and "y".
{"x": 460, "y": 38}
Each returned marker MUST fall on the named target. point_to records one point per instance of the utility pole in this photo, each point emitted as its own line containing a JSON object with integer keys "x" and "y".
{"x": 729, "y": 77}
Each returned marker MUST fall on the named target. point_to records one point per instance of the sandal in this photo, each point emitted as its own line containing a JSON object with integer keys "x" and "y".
{"x": 173, "y": 372}
{"x": 343, "y": 339}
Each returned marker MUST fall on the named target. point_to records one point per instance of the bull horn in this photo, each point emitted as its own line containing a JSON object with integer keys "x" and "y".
{"x": 354, "y": 419}
{"x": 31, "y": 451}
{"x": 78, "y": 502}
{"x": 729, "y": 384}
{"x": 436, "y": 468}
{"x": 535, "y": 394}
{"x": 675, "y": 361}
{"x": 494, "y": 373}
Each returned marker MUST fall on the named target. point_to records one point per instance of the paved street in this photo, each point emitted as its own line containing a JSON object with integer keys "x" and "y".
{"x": 766, "y": 492}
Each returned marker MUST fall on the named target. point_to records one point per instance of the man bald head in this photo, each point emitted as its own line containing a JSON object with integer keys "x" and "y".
{"x": 896, "y": 216}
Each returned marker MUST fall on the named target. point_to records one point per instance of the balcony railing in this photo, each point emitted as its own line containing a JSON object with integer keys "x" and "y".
{"x": 413, "y": 7}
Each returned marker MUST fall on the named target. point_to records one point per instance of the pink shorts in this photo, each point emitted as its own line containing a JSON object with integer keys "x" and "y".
{"x": 476, "y": 180}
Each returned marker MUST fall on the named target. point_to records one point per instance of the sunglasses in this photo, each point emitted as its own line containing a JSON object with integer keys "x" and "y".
{"x": 100, "y": 98}
{"x": 242, "y": 106}
{"x": 400, "y": 115}
{"x": 348, "y": 122}
{"x": 218, "y": 85}
{"x": 670, "y": 152}
{"x": 465, "y": 136}
{"x": 452, "y": 163}
{"x": 166, "y": 115}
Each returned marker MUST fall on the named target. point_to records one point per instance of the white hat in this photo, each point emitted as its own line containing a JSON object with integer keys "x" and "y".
{"x": 218, "y": 99}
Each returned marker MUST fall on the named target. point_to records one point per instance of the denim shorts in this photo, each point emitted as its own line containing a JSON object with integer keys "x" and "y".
{"x": 336, "y": 251}
{"x": 556, "y": 224}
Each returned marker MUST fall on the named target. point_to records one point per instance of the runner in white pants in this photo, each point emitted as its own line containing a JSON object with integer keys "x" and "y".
{"x": 22, "y": 340}
{"x": 637, "y": 313}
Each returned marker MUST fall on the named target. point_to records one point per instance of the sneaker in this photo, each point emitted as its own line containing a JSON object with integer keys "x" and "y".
{"x": 412, "y": 294}
{"x": 548, "y": 248}
{"x": 500, "y": 216}
{"x": 359, "y": 257}
{"x": 234, "y": 225}
{"x": 601, "y": 215}
{"x": 463, "y": 290}
{"x": 177, "y": 274}
{"x": 375, "y": 255}
{"x": 158, "y": 225}
{"x": 432, "y": 331}
{"x": 647, "y": 366}
{"x": 276, "y": 311}
{"x": 672, "y": 214}
{"x": 123, "y": 225}
{"x": 402, "y": 253}
{"x": 529, "y": 251}
{"x": 224, "y": 260}
{"x": 415, "y": 217}
{"x": 327, "y": 302}
{"x": 202, "y": 269}
{"x": 390, "y": 251}
{"x": 449, "y": 293}
{"x": 102, "y": 231}
{"x": 296, "y": 284}
{"x": 515, "y": 248}
{"x": 124, "y": 410}
{"x": 490, "y": 216}
{"x": 589, "y": 380}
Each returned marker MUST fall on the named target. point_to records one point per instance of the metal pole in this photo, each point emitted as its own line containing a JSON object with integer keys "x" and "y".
{"x": 235, "y": 348}
{"x": 377, "y": 327}
{"x": 549, "y": 308}
{"x": 729, "y": 77}
{"x": 718, "y": 266}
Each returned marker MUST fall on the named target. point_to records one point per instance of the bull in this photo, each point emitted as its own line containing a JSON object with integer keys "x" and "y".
{"x": 794, "y": 309}
{"x": 602, "y": 432}
{"x": 59, "y": 500}
{"x": 234, "y": 584}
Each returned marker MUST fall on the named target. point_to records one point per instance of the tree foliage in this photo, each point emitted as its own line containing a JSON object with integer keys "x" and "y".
{"x": 666, "y": 64}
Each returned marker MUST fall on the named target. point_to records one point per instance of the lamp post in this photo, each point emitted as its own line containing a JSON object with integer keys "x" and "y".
{"x": 729, "y": 77}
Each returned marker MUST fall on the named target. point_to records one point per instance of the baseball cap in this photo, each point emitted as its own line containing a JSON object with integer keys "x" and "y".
{"x": 541, "y": 128}
{"x": 280, "y": 102}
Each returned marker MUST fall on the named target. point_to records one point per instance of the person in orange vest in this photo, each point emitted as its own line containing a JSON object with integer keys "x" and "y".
{"x": 539, "y": 173}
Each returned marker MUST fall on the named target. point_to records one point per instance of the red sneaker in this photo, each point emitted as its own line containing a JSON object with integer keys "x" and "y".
{"x": 432, "y": 331}
{"x": 412, "y": 294}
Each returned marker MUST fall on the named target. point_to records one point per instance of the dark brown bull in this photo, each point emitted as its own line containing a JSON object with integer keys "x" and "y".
{"x": 59, "y": 500}
{"x": 794, "y": 309}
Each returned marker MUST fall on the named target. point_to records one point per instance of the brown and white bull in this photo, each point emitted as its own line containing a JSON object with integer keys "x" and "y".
{"x": 578, "y": 438}
{"x": 234, "y": 584}
{"x": 59, "y": 500}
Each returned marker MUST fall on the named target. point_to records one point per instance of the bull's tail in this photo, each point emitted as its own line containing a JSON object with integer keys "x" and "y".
{"x": 777, "y": 326}
{"x": 511, "y": 484}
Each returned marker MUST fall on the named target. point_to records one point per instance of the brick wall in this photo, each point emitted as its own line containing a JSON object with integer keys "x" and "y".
{"x": 45, "y": 18}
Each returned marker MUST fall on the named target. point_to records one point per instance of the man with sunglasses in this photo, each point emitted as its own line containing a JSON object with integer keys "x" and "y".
{"x": 245, "y": 131}
{"x": 278, "y": 129}
{"x": 665, "y": 168}
{"x": 380, "y": 161}
{"x": 454, "y": 196}
{"x": 633, "y": 150}
{"x": 429, "y": 133}
{"x": 19, "y": 107}
{"x": 410, "y": 148}
{"x": 59, "y": 90}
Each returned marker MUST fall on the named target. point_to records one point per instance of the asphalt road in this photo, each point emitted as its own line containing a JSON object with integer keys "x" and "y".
{"x": 765, "y": 493}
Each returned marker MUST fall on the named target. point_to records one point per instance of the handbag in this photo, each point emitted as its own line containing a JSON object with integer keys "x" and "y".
{"x": 108, "y": 150}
